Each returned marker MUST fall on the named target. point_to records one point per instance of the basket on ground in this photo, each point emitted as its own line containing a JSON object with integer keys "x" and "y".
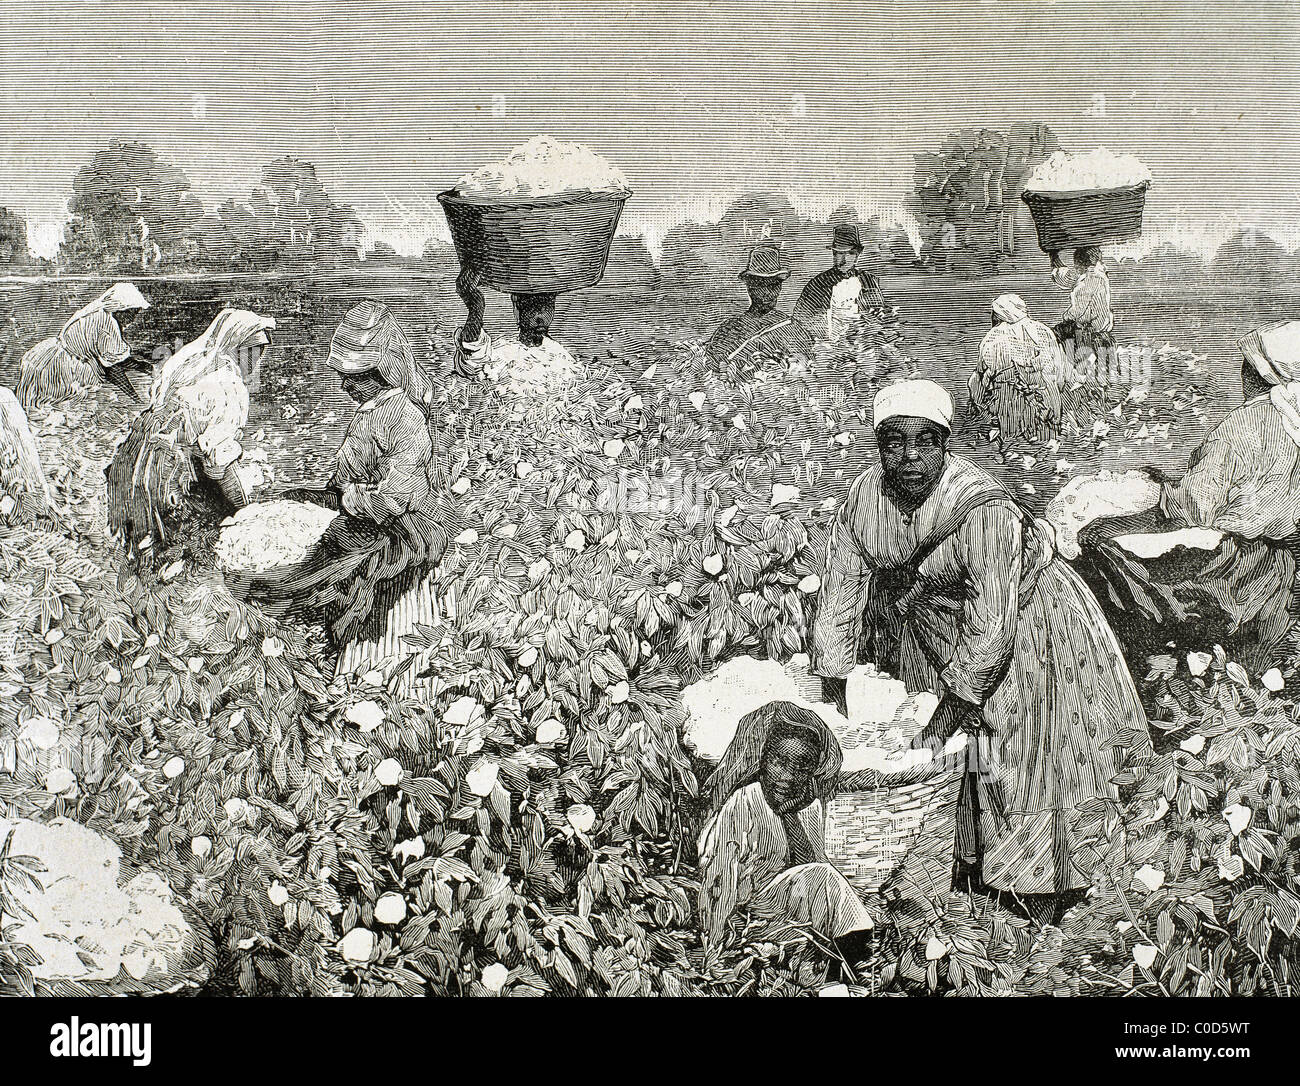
{"x": 899, "y": 834}
{"x": 1071, "y": 220}
{"x": 534, "y": 245}
{"x": 267, "y": 544}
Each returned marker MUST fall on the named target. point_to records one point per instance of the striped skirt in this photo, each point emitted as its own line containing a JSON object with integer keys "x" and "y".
{"x": 418, "y": 606}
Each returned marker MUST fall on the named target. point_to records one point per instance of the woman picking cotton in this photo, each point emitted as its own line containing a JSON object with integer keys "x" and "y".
{"x": 1244, "y": 482}
{"x": 763, "y": 849}
{"x": 190, "y": 434}
{"x": 89, "y": 349}
{"x": 1018, "y": 378}
{"x": 368, "y": 577}
{"x": 955, "y": 590}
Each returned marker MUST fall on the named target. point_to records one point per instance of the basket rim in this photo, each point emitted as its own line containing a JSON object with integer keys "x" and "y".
{"x": 452, "y": 198}
{"x": 1029, "y": 196}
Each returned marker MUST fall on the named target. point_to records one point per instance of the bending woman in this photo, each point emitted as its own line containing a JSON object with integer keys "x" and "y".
{"x": 1243, "y": 481}
{"x": 191, "y": 433}
{"x": 763, "y": 849}
{"x": 368, "y": 579}
{"x": 958, "y": 592}
{"x": 1019, "y": 375}
{"x": 88, "y": 350}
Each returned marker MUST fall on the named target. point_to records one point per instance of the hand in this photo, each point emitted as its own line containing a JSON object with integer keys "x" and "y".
{"x": 951, "y": 716}
{"x": 352, "y": 499}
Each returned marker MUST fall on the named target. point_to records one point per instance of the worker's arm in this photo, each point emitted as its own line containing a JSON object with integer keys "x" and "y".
{"x": 872, "y": 297}
{"x": 1206, "y": 491}
{"x": 404, "y": 451}
{"x": 473, "y": 345}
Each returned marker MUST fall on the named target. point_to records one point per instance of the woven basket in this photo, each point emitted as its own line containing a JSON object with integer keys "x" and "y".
{"x": 534, "y": 245}
{"x": 1071, "y": 220}
{"x": 899, "y": 834}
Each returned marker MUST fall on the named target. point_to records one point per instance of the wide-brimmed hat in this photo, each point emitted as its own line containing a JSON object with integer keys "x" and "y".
{"x": 765, "y": 263}
{"x": 846, "y": 238}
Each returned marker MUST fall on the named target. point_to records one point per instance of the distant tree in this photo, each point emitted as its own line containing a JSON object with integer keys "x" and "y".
{"x": 129, "y": 208}
{"x": 966, "y": 197}
{"x": 291, "y": 219}
{"x": 13, "y": 239}
{"x": 1250, "y": 257}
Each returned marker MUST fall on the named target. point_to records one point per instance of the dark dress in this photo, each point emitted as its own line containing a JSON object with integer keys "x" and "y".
{"x": 816, "y": 296}
{"x": 1244, "y": 481}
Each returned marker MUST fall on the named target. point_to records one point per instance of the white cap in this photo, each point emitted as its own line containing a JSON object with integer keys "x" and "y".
{"x": 917, "y": 399}
{"x": 1274, "y": 351}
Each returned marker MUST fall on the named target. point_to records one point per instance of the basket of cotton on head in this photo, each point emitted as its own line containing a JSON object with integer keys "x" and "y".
{"x": 541, "y": 221}
{"x": 1093, "y": 198}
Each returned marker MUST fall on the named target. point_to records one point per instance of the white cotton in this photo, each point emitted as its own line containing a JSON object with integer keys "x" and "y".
{"x": 1087, "y": 171}
{"x": 1086, "y": 498}
{"x": 1158, "y": 544}
{"x": 267, "y": 535}
{"x": 545, "y": 166}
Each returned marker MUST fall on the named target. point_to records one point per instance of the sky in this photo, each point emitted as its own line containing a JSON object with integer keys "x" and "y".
{"x": 694, "y": 101}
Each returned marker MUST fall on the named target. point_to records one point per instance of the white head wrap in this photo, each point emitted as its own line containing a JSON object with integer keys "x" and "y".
{"x": 917, "y": 399}
{"x": 1274, "y": 352}
{"x": 116, "y": 298}
{"x": 1010, "y": 308}
{"x": 217, "y": 348}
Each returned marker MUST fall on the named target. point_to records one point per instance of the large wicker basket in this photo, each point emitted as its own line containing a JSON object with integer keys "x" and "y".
{"x": 899, "y": 835}
{"x": 534, "y": 245}
{"x": 1071, "y": 220}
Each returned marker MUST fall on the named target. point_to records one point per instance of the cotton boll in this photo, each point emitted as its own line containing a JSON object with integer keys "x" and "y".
{"x": 357, "y": 945}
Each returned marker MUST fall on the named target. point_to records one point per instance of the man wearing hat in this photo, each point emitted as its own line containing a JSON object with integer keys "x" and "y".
{"x": 835, "y": 298}
{"x": 762, "y": 330}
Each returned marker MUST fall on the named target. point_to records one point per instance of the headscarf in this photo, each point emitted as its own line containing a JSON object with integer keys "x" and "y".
{"x": 918, "y": 399}
{"x": 740, "y": 762}
{"x": 1010, "y": 308}
{"x": 1017, "y": 324}
{"x": 1274, "y": 352}
{"x": 116, "y": 298}
{"x": 218, "y": 347}
{"x": 370, "y": 339}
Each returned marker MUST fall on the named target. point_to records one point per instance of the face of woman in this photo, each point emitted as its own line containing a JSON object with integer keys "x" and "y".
{"x": 786, "y": 773}
{"x": 362, "y": 387}
{"x": 912, "y": 454}
{"x": 535, "y": 313}
{"x": 250, "y": 354}
{"x": 1252, "y": 384}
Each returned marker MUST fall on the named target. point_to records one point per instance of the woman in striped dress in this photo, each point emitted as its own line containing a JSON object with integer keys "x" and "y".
{"x": 88, "y": 350}
{"x": 954, "y": 590}
{"x": 369, "y": 578}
